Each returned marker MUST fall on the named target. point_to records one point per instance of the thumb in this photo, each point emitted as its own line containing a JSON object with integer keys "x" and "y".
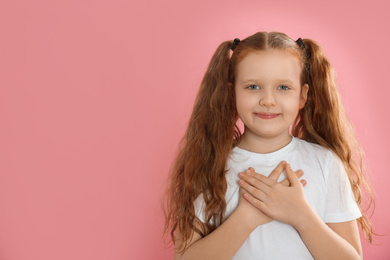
{"x": 292, "y": 177}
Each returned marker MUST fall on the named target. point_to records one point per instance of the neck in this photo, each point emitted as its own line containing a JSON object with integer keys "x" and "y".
{"x": 256, "y": 144}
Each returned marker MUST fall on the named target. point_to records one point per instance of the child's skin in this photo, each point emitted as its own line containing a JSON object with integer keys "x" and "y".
{"x": 269, "y": 97}
{"x": 255, "y": 216}
{"x": 268, "y": 106}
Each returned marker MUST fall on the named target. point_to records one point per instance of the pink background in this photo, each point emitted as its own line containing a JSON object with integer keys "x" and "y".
{"x": 95, "y": 95}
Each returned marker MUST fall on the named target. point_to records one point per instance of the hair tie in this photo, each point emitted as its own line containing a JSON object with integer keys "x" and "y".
{"x": 300, "y": 43}
{"x": 235, "y": 43}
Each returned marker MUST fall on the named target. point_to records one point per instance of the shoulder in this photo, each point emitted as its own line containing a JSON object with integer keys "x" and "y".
{"x": 323, "y": 159}
{"x": 329, "y": 162}
{"x": 313, "y": 150}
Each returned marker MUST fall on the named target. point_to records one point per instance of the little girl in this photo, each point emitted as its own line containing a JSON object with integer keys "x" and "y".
{"x": 236, "y": 195}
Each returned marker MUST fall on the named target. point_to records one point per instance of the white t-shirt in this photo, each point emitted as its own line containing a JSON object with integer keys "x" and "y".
{"x": 328, "y": 192}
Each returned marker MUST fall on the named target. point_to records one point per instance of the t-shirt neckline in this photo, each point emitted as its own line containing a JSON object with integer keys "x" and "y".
{"x": 266, "y": 156}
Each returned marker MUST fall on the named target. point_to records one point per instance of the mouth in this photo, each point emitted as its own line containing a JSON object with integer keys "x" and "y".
{"x": 267, "y": 115}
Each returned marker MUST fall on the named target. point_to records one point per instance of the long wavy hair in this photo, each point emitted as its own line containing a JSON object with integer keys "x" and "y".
{"x": 213, "y": 132}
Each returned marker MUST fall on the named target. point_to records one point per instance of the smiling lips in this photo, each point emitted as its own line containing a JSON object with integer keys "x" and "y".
{"x": 267, "y": 115}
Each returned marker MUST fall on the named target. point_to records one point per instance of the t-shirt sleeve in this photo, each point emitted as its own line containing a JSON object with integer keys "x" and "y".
{"x": 340, "y": 201}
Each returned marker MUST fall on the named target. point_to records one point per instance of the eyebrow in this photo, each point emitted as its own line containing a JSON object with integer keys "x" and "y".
{"x": 254, "y": 80}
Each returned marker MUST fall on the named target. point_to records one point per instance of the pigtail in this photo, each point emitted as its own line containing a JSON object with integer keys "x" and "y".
{"x": 323, "y": 114}
{"x": 324, "y": 121}
{"x": 200, "y": 164}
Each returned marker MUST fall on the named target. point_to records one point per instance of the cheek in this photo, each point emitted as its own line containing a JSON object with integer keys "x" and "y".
{"x": 244, "y": 103}
{"x": 289, "y": 104}
{"x": 239, "y": 100}
{"x": 242, "y": 108}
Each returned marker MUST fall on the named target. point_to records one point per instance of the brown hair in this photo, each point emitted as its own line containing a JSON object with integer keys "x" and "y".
{"x": 212, "y": 132}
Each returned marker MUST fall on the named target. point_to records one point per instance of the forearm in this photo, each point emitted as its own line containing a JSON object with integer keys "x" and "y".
{"x": 323, "y": 242}
{"x": 223, "y": 242}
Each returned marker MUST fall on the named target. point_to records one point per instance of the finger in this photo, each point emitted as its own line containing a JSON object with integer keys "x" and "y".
{"x": 255, "y": 202}
{"x": 277, "y": 171}
{"x": 291, "y": 176}
{"x": 251, "y": 173}
{"x": 256, "y": 180}
{"x": 286, "y": 182}
{"x": 258, "y": 194}
{"x": 304, "y": 182}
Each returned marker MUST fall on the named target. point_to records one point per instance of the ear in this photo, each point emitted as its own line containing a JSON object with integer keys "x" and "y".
{"x": 303, "y": 97}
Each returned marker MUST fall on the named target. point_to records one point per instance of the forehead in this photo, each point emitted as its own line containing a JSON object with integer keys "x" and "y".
{"x": 268, "y": 66}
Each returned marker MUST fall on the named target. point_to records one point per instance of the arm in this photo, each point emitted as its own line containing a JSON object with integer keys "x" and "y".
{"x": 332, "y": 240}
{"x": 223, "y": 242}
{"x": 227, "y": 239}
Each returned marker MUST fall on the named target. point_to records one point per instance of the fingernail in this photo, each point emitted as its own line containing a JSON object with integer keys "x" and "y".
{"x": 241, "y": 174}
{"x": 247, "y": 171}
{"x": 300, "y": 173}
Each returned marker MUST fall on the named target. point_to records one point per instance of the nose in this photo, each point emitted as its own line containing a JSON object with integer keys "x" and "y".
{"x": 267, "y": 98}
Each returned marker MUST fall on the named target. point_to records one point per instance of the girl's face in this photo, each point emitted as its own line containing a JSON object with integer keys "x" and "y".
{"x": 268, "y": 93}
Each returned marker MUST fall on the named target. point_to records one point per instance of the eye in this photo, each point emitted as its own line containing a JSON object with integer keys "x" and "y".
{"x": 284, "y": 87}
{"x": 254, "y": 87}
